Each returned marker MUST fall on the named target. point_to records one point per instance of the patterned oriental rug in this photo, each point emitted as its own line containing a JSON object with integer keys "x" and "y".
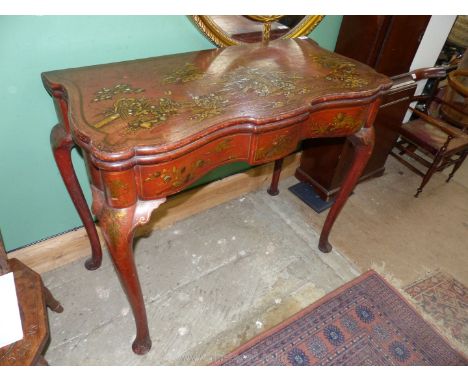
{"x": 445, "y": 300}
{"x": 364, "y": 322}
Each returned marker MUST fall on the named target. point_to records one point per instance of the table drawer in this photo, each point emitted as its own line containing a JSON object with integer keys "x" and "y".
{"x": 275, "y": 145}
{"x": 170, "y": 177}
{"x": 335, "y": 122}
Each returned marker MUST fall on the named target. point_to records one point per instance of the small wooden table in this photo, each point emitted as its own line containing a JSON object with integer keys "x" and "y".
{"x": 33, "y": 300}
{"x": 149, "y": 128}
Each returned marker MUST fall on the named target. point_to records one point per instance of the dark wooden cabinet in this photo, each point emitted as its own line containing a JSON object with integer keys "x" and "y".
{"x": 387, "y": 43}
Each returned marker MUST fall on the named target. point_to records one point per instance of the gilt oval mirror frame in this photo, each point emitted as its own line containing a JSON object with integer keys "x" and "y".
{"x": 237, "y": 30}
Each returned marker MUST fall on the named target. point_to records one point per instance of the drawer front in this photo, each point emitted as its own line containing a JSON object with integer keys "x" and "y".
{"x": 170, "y": 177}
{"x": 335, "y": 122}
{"x": 275, "y": 145}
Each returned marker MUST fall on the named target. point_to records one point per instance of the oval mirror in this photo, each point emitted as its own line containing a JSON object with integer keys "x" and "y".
{"x": 236, "y": 30}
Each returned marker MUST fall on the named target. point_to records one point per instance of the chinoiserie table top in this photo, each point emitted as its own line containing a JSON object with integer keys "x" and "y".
{"x": 154, "y": 105}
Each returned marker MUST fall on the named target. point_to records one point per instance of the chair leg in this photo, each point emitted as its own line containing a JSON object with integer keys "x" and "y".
{"x": 429, "y": 173}
{"x": 51, "y": 302}
{"x": 457, "y": 165}
{"x": 410, "y": 147}
{"x": 41, "y": 361}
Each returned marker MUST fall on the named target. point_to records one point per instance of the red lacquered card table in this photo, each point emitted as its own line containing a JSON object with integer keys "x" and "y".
{"x": 149, "y": 128}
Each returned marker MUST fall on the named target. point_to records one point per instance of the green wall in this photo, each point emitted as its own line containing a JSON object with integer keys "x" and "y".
{"x": 33, "y": 201}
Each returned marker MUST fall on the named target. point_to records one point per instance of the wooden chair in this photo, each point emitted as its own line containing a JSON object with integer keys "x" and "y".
{"x": 33, "y": 300}
{"x": 437, "y": 135}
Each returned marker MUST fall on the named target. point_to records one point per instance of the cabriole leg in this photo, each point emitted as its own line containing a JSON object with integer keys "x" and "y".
{"x": 363, "y": 143}
{"x": 62, "y": 144}
{"x": 273, "y": 190}
{"x": 118, "y": 226}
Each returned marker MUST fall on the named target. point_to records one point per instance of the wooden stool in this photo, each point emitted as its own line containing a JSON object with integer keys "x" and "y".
{"x": 33, "y": 300}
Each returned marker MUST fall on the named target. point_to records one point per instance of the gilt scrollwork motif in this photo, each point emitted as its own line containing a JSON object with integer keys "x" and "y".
{"x": 117, "y": 187}
{"x": 341, "y": 71}
{"x": 189, "y": 72}
{"x": 145, "y": 113}
{"x": 341, "y": 122}
{"x": 114, "y": 219}
{"x": 264, "y": 83}
{"x": 282, "y": 145}
{"x": 140, "y": 113}
{"x": 180, "y": 175}
{"x": 207, "y": 106}
{"x": 104, "y": 94}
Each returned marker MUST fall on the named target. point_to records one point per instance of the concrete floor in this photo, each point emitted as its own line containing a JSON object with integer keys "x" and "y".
{"x": 385, "y": 228}
{"x": 210, "y": 283}
{"x": 216, "y": 279}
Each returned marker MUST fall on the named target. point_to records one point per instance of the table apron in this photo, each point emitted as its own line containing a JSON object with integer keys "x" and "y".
{"x": 123, "y": 188}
